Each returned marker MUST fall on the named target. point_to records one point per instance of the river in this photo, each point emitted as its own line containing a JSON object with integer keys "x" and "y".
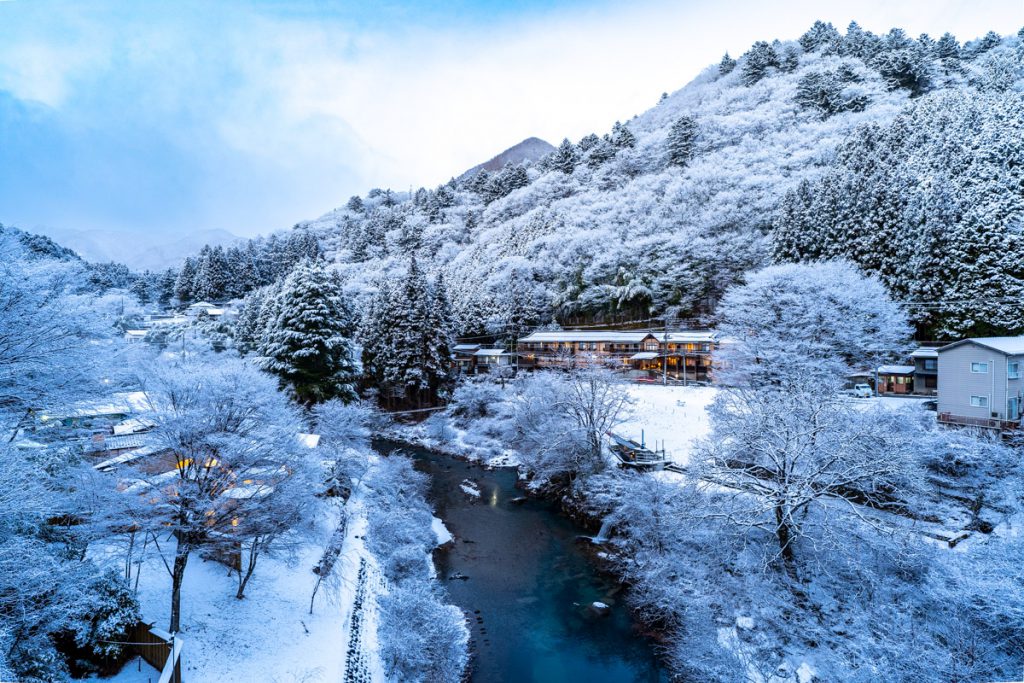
{"x": 528, "y": 584}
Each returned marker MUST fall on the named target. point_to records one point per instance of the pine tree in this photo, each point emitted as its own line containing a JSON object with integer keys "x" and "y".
{"x": 564, "y": 158}
{"x": 406, "y": 334}
{"x": 183, "y": 284}
{"x": 355, "y": 204}
{"x": 757, "y": 61}
{"x": 140, "y": 288}
{"x": 621, "y": 136}
{"x": 681, "y": 138}
{"x": 165, "y": 287}
{"x": 304, "y": 345}
{"x": 726, "y": 65}
{"x": 947, "y": 51}
{"x": 821, "y": 36}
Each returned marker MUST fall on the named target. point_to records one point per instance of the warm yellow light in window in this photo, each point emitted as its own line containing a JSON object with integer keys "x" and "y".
{"x": 234, "y": 521}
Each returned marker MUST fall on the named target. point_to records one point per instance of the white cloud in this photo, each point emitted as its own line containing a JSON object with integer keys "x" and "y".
{"x": 324, "y": 109}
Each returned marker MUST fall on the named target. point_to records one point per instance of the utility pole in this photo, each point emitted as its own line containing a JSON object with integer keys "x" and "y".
{"x": 664, "y": 356}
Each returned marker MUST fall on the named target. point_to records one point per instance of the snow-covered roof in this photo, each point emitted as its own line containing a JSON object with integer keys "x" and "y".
{"x": 1011, "y": 346}
{"x": 895, "y": 369}
{"x": 925, "y": 353}
{"x": 215, "y": 311}
{"x": 202, "y": 304}
{"x": 136, "y": 333}
{"x": 133, "y": 425}
{"x": 161, "y": 322}
{"x": 491, "y": 352}
{"x": 126, "y": 457}
{"x": 466, "y": 347}
{"x": 114, "y": 443}
{"x": 693, "y": 336}
{"x": 119, "y": 404}
{"x": 644, "y": 355}
{"x": 586, "y": 336}
{"x": 620, "y": 336}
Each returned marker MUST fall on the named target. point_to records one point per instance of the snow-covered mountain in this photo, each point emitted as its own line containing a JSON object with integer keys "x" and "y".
{"x": 530, "y": 149}
{"x": 139, "y": 251}
{"x": 660, "y": 215}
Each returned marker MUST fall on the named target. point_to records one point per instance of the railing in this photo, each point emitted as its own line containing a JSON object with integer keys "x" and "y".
{"x": 983, "y": 422}
{"x": 159, "y": 649}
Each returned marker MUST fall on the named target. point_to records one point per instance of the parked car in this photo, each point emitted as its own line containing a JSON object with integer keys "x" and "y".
{"x": 862, "y": 391}
{"x": 930, "y": 404}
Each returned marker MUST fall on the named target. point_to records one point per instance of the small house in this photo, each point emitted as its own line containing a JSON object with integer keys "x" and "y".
{"x": 464, "y": 358}
{"x": 926, "y": 371}
{"x": 491, "y": 360}
{"x": 895, "y": 379}
{"x": 980, "y": 382}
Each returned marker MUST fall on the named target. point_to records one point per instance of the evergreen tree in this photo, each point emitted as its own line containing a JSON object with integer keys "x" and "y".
{"x": 820, "y": 36}
{"x": 859, "y": 43}
{"x": 621, "y": 136}
{"x": 165, "y": 287}
{"x": 406, "y": 335}
{"x": 304, "y": 343}
{"x": 757, "y": 62}
{"x": 355, "y": 204}
{"x": 681, "y": 138}
{"x": 726, "y": 65}
{"x": 183, "y": 284}
{"x": 564, "y": 158}
{"x": 140, "y": 288}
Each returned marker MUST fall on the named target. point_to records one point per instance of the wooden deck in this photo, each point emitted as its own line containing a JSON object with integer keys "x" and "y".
{"x": 629, "y": 453}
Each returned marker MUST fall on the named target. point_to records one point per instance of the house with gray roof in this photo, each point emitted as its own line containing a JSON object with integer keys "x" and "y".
{"x": 980, "y": 382}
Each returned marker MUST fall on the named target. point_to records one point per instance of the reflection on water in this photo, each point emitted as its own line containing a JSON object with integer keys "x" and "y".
{"x": 529, "y": 586}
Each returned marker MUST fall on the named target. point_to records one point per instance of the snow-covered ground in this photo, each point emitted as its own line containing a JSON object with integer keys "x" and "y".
{"x": 676, "y": 417}
{"x": 268, "y": 636}
{"x": 669, "y": 417}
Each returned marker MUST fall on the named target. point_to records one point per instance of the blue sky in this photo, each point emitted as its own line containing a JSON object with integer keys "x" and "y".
{"x": 172, "y": 117}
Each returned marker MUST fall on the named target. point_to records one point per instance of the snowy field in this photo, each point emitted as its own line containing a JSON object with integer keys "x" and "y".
{"x": 269, "y": 635}
{"x": 673, "y": 417}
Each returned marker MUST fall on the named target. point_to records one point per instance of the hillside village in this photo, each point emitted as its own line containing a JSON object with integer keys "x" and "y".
{"x": 736, "y": 388}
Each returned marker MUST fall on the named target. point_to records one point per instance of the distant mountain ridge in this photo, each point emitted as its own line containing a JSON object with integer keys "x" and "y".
{"x": 138, "y": 250}
{"x": 531, "y": 149}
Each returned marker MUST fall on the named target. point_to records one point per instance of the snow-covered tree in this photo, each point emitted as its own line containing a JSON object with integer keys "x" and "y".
{"x": 757, "y": 62}
{"x": 561, "y": 421}
{"x": 795, "y": 325}
{"x": 230, "y": 437}
{"x": 406, "y": 338}
{"x": 681, "y": 138}
{"x": 306, "y": 342}
{"x": 726, "y": 65}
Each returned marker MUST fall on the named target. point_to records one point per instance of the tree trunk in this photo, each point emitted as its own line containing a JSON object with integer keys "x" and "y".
{"x": 243, "y": 579}
{"x": 181, "y": 554}
{"x": 784, "y": 534}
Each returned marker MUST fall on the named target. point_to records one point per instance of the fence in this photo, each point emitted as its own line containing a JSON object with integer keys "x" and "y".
{"x": 159, "y": 649}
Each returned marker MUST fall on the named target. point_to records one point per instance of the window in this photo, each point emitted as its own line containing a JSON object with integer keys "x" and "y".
{"x": 1013, "y": 370}
{"x": 979, "y": 401}
{"x": 979, "y": 368}
{"x": 931, "y": 364}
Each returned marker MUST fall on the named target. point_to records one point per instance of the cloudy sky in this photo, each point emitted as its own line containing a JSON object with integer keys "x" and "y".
{"x": 171, "y": 117}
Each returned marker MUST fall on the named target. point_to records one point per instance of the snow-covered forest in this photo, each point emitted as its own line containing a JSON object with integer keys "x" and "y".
{"x": 196, "y": 453}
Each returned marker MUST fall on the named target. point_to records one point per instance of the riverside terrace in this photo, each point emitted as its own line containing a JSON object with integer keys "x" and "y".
{"x": 683, "y": 355}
